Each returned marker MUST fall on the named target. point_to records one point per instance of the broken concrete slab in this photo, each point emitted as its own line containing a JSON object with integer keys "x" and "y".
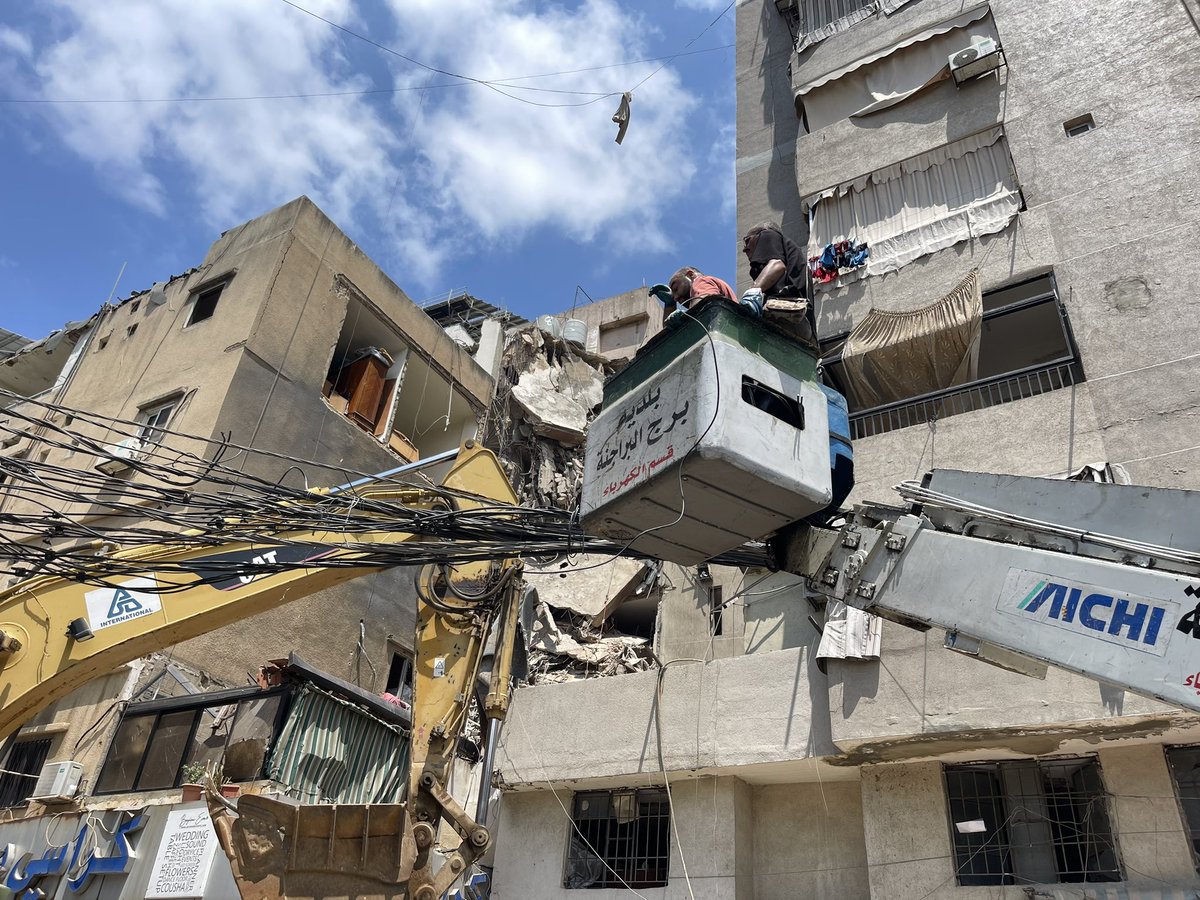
{"x": 587, "y": 584}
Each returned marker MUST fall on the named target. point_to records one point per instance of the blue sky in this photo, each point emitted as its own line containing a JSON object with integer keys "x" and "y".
{"x": 446, "y": 184}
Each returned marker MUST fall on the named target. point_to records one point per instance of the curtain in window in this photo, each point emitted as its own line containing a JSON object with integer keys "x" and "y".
{"x": 821, "y": 19}
{"x": 331, "y": 751}
{"x": 894, "y": 356}
{"x": 925, "y": 204}
{"x": 886, "y": 77}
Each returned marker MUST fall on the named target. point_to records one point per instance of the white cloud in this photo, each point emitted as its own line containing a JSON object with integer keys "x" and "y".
{"x": 505, "y": 166}
{"x": 435, "y": 170}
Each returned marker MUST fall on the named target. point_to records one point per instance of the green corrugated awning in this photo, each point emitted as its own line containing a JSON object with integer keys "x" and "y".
{"x": 331, "y": 751}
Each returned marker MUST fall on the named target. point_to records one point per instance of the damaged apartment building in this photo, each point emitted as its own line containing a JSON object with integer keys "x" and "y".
{"x": 288, "y": 340}
{"x": 1012, "y": 161}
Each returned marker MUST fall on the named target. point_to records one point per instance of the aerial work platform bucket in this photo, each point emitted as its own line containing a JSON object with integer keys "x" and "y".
{"x": 717, "y": 433}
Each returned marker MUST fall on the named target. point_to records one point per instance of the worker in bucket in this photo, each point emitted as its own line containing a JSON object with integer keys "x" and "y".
{"x": 687, "y": 287}
{"x": 778, "y": 267}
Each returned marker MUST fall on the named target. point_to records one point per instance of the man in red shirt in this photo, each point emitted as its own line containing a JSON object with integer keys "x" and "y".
{"x": 687, "y": 287}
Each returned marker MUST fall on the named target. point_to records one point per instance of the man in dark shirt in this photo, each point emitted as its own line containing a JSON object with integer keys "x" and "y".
{"x": 778, "y": 267}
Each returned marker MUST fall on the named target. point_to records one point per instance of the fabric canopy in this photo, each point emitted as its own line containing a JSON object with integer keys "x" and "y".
{"x": 825, "y": 18}
{"x": 331, "y": 751}
{"x": 908, "y": 210}
{"x": 883, "y": 79}
{"x": 894, "y": 356}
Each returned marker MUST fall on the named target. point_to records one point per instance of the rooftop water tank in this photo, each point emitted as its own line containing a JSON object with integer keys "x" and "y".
{"x": 575, "y": 331}
{"x": 716, "y": 434}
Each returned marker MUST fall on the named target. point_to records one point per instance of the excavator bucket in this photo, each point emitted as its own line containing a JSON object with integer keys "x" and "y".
{"x": 293, "y": 852}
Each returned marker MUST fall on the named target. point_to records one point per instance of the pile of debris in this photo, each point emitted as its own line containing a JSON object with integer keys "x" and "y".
{"x": 590, "y": 618}
{"x": 548, "y": 391}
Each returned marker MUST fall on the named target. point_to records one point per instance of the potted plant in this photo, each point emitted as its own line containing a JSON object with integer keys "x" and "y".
{"x": 194, "y": 774}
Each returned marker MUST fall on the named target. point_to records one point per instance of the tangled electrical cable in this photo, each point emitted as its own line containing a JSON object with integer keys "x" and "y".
{"x": 60, "y": 515}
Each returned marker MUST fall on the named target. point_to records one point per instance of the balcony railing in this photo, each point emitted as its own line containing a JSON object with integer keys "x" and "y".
{"x": 954, "y": 401}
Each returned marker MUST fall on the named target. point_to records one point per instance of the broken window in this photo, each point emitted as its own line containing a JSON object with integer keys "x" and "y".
{"x": 619, "y": 839}
{"x": 1185, "y": 766}
{"x": 232, "y": 730}
{"x": 204, "y": 303}
{"x": 400, "y": 676}
{"x": 1031, "y": 822}
{"x": 392, "y": 391}
{"x": 21, "y": 768}
{"x": 1026, "y": 348}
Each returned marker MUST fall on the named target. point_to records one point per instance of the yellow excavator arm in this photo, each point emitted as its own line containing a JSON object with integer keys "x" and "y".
{"x": 57, "y": 634}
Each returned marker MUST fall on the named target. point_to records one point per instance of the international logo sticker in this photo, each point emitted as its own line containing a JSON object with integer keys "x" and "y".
{"x": 130, "y": 600}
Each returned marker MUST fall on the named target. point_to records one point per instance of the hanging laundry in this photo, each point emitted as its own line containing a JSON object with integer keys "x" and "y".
{"x": 859, "y": 256}
{"x": 828, "y": 257}
{"x": 621, "y": 116}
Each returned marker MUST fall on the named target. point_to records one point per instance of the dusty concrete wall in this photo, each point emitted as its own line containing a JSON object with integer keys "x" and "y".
{"x": 808, "y": 842}
{"x": 713, "y": 839}
{"x": 686, "y": 626}
{"x": 910, "y": 853}
{"x": 1155, "y": 846}
{"x": 619, "y": 325}
{"x": 767, "y": 129}
{"x": 605, "y": 728}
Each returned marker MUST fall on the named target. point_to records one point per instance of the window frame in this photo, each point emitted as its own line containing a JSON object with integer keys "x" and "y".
{"x": 197, "y": 704}
{"x": 613, "y": 865}
{"x": 10, "y": 777}
{"x": 1191, "y": 832}
{"x": 1071, "y": 363}
{"x": 152, "y": 426}
{"x": 1054, "y": 845}
{"x": 215, "y": 285}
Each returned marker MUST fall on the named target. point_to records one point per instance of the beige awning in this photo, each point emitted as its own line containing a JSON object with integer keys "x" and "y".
{"x": 894, "y": 356}
{"x": 891, "y": 75}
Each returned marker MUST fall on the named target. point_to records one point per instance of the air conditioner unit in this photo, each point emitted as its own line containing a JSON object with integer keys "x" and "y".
{"x": 983, "y": 56}
{"x": 58, "y": 781}
{"x": 120, "y": 456}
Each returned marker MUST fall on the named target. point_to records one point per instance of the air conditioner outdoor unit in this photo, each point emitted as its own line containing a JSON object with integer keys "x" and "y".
{"x": 120, "y": 456}
{"x": 983, "y": 56}
{"x": 58, "y": 781}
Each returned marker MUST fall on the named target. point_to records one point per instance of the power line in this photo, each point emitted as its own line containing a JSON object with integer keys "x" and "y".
{"x": 685, "y": 46}
{"x": 506, "y": 82}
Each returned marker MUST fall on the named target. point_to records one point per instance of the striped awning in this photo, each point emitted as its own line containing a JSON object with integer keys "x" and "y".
{"x": 332, "y": 751}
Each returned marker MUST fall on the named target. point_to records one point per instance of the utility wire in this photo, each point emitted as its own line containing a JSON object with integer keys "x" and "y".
{"x": 506, "y": 82}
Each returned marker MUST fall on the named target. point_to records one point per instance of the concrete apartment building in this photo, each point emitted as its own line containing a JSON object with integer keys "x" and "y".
{"x": 1061, "y": 173}
{"x": 269, "y": 341}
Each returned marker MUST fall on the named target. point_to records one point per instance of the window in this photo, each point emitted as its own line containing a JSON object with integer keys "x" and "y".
{"x": 619, "y": 839}
{"x": 153, "y": 421}
{"x": 400, "y": 677}
{"x": 1026, "y": 348}
{"x": 1185, "y": 766}
{"x": 131, "y": 330}
{"x": 205, "y": 304}
{"x": 958, "y": 192}
{"x": 811, "y": 21}
{"x": 1030, "y": 822}
{"x": 21, "y": 769}
{"x": 155, "y": 740}
{"x": 1079, "y": 125}
{"x": 133, "y": 307}
{"x": 717, "y": 610}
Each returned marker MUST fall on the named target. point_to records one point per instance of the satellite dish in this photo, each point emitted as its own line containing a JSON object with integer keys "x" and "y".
{"x": 962, "y": 57}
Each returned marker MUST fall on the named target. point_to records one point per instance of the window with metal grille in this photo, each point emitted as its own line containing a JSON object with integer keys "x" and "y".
{"x": 1026, "y": 348}
{"x": 156, "y": 739}
{"x": 619, "y": 839}
{"x": 1030, "y": 822}
{"x": 21, "y": 769}
{"x": 1185, "y": 766}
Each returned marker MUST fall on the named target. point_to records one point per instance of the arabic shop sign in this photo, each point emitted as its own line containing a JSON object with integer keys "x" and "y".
{"x": 91, "y": 854}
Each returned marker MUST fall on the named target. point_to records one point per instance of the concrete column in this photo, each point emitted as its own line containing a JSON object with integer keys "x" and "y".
{"x": 1146, "y": 818}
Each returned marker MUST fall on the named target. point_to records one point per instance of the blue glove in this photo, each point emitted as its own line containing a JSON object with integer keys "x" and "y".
{"x": 753, "y": 301}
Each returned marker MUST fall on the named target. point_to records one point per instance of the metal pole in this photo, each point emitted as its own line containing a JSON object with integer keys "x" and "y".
{"x": 485, "y": 783}
{"x": 399, "y": 470}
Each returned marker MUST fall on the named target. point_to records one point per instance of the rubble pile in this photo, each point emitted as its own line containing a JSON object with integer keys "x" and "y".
{"x": 564, "y": 646}
{"x": 548, "y": 393}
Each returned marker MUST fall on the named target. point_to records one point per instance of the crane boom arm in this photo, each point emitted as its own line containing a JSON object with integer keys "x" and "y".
{"x": 1014, "y": 589}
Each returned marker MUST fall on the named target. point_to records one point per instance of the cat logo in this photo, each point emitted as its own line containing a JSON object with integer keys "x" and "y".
{"x": 127, "y": 601}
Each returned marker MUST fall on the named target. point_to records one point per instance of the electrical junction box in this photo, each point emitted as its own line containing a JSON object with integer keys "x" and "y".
{"x": 716, "y": 434}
